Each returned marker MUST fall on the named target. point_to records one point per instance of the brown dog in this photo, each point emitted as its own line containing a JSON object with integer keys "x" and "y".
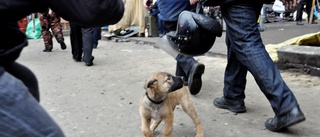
{"x": 163, "y": 93}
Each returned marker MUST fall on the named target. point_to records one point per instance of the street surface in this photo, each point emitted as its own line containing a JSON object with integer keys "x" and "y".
{"x": 102, "y": 100}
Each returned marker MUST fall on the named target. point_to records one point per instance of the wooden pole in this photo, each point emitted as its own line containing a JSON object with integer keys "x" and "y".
{"x": 311, "y": 12}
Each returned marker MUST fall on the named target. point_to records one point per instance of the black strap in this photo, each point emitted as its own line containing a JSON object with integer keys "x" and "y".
{"x": 155, "y": 102}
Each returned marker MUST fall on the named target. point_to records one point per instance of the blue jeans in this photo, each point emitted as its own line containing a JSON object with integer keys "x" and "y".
{"x": 96, "y": 36}
{"x": 160, "y": 25}
{"x": 246, "y": 52}
{"x": 20, "y": 113}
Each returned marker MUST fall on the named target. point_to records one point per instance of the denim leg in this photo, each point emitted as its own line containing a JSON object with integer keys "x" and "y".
{"x": 20, "y": 114}
{"x": 184, "y": 64}
{"x": 26, "y": 76}
{"x": 246, "y": 44}
{"x": 96, "y": 36}
{"x": 235, "y": 77}
{"x": 87, "y": 40}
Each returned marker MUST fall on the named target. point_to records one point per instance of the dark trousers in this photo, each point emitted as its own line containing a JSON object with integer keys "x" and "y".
{"x": 184, "y": 63}
{"x": 300, "y": 8}
{"x": 81, "y": 42}
{"x": 96, "y": 36}
{"x": 246, "y": 52}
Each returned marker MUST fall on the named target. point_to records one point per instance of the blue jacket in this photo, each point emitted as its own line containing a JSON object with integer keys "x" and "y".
{"x": 170, "y": 9}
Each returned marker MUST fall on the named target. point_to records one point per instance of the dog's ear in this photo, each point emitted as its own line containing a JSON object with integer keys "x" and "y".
{"x": 150, "y": 83}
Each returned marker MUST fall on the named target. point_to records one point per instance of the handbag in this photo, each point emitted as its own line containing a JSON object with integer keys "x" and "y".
{"x": 278, "y": 7}
{"x": 33, "y": 29}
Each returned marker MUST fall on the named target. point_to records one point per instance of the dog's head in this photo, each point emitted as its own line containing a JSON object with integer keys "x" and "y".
{"x": 162, "y": 83}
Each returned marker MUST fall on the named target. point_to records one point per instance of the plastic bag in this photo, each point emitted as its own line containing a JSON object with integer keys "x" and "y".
{"x": 34, "y": 29}
{"x": 278, "y": 7}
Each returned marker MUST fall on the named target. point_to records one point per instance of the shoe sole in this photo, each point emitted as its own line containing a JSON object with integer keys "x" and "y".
{"x": 195, "y": 81}
{"x": 232, "y": 109}
{"x": 288, "y": 124}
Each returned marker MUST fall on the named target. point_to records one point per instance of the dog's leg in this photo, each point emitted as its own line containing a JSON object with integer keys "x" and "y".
{"x": 191, "y": 111}
{"x": 155, "y": 124}
{"x": 168, "y": 125}
{"x": 145, "y": 124}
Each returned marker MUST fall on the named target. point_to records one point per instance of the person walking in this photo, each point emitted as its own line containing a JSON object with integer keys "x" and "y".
{"x": 81, "y": 43}
{"x": 186, "y": 66}
{"x": 300, "y": 9}
{"x": 50, "y": 20}
{"x": 246, "y": 53}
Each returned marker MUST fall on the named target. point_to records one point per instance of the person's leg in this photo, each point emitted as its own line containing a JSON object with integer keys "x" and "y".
{"x": 160, "y": 26}
{"x": 87, "y": 40}
{"x": 247, "y": 45}
{"x": 46, "y": 34}
{"x": 20, "y": 114}
{"x": 187, "y": 66}
{"x": 96, "y": 36}
{"x": 300, "y": 11}
{"x": 308, "y": 10}
{"x": 234, "y": 83}
{"x": 56, "y": 28}
{"x": 76, "y": 41}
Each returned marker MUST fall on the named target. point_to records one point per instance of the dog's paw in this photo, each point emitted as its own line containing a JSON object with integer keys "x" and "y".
{"x": 199, "y": 135}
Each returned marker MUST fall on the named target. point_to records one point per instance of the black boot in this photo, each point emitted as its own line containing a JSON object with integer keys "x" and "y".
{"x": 292, "y": 117}
{"x": 194, "y": 80}
{"x": 47, "y": 50}
{"x": 233, "y": 107}
{"x": 62, "y": 44}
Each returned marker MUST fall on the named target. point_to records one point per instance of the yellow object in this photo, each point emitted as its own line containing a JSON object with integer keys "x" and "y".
{"x": 312, "y": 39}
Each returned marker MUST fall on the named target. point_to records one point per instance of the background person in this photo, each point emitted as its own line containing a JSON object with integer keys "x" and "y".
{"x": 50, "y": 20}
{"x": 81, "y": 43}
{"x": 300, "y": 9}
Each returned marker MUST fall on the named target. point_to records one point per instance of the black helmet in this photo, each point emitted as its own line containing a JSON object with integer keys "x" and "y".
{"x": 196, "y": 33}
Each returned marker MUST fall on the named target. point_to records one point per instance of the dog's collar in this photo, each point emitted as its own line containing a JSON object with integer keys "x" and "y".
{"x": 155, "y": 102}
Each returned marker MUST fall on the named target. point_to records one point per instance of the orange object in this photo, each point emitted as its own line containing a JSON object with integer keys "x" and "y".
{"x": 23, "y": 23}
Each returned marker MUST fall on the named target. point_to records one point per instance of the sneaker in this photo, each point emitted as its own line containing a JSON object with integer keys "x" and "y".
{"x": 278, "y": 123}
{"x": 300, "y": 23}
{"x": 194, "y": 80}
{"x": 222, "y": 103}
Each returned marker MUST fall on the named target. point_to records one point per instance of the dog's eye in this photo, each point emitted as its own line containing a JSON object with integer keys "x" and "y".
{"x": 169, "y": 78}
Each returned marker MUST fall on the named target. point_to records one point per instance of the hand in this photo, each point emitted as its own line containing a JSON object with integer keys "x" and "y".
{"x": 148, "y": 4}
{"x": 192, "y": 2}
